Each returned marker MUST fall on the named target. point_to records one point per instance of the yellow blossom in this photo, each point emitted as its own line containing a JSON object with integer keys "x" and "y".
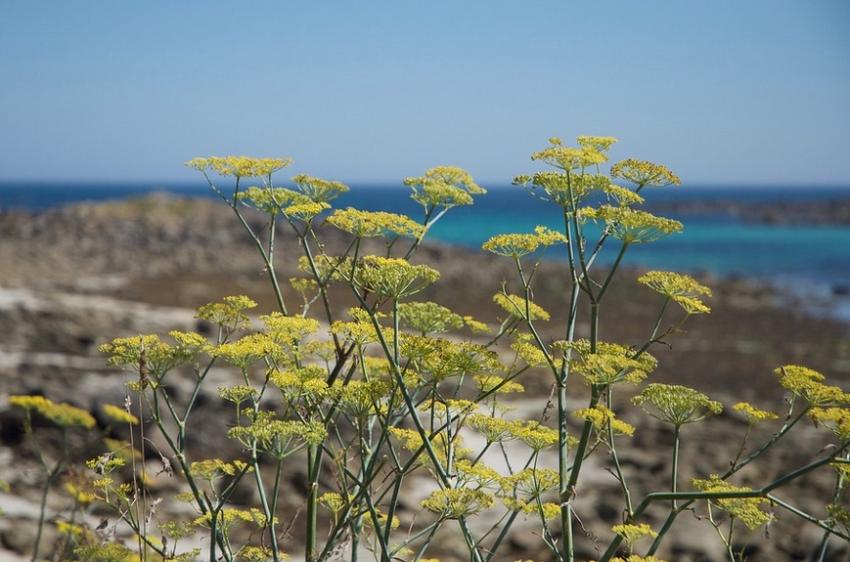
{"x": 569, "y": 190}
{"x": 754, "y": 415}
{"x": 317, "y": 189}
{"x": 808, "y": 384}
{"x": 518, "y": 307}
{"x": 212, "y": 469}
{"x": 119, "y": 414}
{"x": 428, "y": 317}
{"x": 629, "y": 225}
{"x": 519, "y": 245}
{"x": 288, "y": 330}
{"x": 305, "y": 211}
{"x": 63, "y": 415}
{"x": 569, "y": 158}
{"x": 248, "y": 350}
{"x": 602, "y": 417}
{"x": 631, "y": 532}
{"x": 394, "y": 277}
{"x": 747, "y": 510}
{"x": 488, "y": 382}
{"x": 683, "y": 289}
{"x": 676, "y": 404}
{"x": 612, "y": 363}
{"x": 457, "y": 502}
{"x": 229, "y": 312}
{"x": 370, "y": 224}
{"x": 644, "y": 173}
{"x": 444, "y": 186}
{"x": 837, "y": 420}
{"x": 239, "y": 166}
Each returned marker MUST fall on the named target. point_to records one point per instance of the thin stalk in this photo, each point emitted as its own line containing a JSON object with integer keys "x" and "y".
{"x": 674, "y": 477}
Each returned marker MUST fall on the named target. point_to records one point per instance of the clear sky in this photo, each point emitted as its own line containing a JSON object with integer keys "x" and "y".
{"x": 723, "y": 91}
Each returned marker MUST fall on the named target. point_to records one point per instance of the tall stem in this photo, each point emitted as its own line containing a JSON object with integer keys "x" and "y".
{"x": 674, "y": 477}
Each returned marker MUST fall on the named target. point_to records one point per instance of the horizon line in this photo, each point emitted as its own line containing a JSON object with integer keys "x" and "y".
{"x": 498, "y": 184}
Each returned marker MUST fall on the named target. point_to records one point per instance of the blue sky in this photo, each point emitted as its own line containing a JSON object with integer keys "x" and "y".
{"x": 734, "y": 92}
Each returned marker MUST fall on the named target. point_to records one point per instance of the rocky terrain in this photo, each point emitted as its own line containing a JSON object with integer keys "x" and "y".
{"x": 832, "y": 211}
{"x": 74, "y": 277}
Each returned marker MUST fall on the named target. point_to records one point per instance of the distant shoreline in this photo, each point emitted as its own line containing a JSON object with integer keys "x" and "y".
{"x": 780, "y": 205}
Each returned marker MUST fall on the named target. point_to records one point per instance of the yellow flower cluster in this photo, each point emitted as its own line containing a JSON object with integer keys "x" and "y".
{"x": 237, "y": 393}
{"x": 371, "y": 224}
{"x": 676, "y": 404}
{"x": 476, "y": 326}
{"x": 837, "y": 420}
{"x": 227, "y": 517}
{"x": 333, "y": 501}
{"x": 807, "y": 384}
{"x": 747, "y": 510}
{"x": 519, "y": 245}
{"x": 530, "y": 483}
{"x": 454, "y": 503}
{"x": 439, "y": 359}
{"x": 429, "y": 317}
{"x": 271, "y": 200}
{"x": 360, "y": 397}
{"x": 105, "y": 552}
{"x": 528, "y": 351}
{"x": 63, "y": 415}
{"x": 516, "y": 306}
{"x": 683, "y": 289}
{"x": 288, "y": 330}
{"x": 478, "y": 473}
{"x": 600, "y": 144}
{"x": 839, "y": 516}
{"x": 305, "y": 211}
{"x": 569, "y": 190}
{"x": 394, "y": 277}
{"x": 258, "y": 554}
{"x": 754, "y": 415}
{"x": 304, "y": 382}
{"x": 328, "y": 268}
{"x": 80, "y": 492}
{"x": 496, "y": 429}
{"x": 546, "y": 510}
{"x": 317, "y": 189}
{"x": 212, "y": 469}
{"x": 239, "y": 166}
{"x": 444, "y": 186}
{"x": 602, "y": 417}
{"x": 632, "y": 532}
{"x": 229, "y": 312}
{"x": 629, "y": 225}
{"x": 119, "y": 414}
{"x": 612, "y": 363}
{"x": 643, "y": 173}
{"x": 487, "y": 382}
{"x": 248, "y": 350}
{"x": 278, "y": 437}
{"x": 158, "y": 357}
{"x": 569, "y": 158}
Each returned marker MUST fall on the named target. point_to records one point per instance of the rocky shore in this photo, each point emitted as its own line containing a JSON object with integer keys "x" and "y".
{"x": 73, "y": 277}
{"x": 832, "y": 211}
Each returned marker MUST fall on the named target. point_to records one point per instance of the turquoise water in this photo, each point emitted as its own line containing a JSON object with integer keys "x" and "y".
{"x": 818, "y": 255}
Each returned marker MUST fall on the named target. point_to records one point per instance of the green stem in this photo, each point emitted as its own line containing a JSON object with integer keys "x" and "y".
{"x": 674, "y": 477}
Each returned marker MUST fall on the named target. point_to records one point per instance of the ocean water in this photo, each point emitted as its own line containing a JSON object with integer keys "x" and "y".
{"x": 809, "y": 257}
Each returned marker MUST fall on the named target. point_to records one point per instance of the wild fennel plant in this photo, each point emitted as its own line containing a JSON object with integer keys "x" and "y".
{"x": 369, "y": 401}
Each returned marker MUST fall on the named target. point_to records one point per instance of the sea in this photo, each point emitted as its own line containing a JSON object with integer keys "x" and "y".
{"x": 810, "y": 260}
